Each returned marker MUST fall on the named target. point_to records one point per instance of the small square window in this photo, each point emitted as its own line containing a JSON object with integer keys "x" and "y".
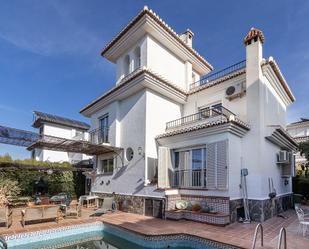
{"x": 106, "y": 166}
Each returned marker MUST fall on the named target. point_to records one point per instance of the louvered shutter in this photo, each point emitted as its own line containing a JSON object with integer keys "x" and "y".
{"x": 164, "y": 167}
{"x": 222, "y": 164}
{"x": 211, "y": 166}
{"x": 217, "y": 165}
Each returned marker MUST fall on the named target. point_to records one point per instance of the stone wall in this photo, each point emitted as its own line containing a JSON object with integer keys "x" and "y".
{"x": 127, "y": 203}
{"x": 234, "y": 205}
{"x": 262, "y": 210}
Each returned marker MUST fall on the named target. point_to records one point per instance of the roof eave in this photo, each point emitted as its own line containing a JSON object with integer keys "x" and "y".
{"x": 153, "y": 16}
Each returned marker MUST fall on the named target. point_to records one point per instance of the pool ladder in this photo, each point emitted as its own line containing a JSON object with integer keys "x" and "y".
{"x": 282, "y": 235}
{"x": 3, "y": 244}
{"x": 258, "y": 228}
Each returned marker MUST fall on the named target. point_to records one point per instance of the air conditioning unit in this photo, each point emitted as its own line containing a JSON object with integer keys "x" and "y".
{"x": 234, "y": 91}
{"x": 283, "y": 157}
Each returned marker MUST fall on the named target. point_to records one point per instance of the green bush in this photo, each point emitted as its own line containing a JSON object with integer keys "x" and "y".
{"x": 301, "y": 186}
{"x": 71, "y": 182}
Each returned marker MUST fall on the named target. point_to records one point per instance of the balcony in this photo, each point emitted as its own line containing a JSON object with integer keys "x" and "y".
{"x": 191, "y": 178}
{"x": 205, "y": 115}
{"x": 214, "y": 76}
{"x": 99, "y": 136}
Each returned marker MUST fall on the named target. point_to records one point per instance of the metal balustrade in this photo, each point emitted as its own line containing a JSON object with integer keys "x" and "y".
{"x": 99, "y": 136}
{"x": 189, "y": 178}
{"x": 199, "y": 116}
{"x": 219, "y": 74}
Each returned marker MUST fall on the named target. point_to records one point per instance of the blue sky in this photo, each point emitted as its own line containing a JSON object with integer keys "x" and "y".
{"x": 50, "y": 50}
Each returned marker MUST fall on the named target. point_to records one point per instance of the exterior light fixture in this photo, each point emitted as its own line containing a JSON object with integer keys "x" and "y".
{"x": 140, "y": 151}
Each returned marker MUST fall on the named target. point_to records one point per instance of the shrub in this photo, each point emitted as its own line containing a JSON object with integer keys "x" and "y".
{"x": 59, "y": 181}
{"x": 8, "y": 189}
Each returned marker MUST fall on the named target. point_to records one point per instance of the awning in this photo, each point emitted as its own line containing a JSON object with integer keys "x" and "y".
{"x": 277, "y": 135}
{"x": 74, "y": 146}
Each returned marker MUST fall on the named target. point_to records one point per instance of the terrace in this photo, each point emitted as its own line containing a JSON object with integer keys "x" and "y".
{"x": 209, "y": 78}
{"x": 236, "y": 234}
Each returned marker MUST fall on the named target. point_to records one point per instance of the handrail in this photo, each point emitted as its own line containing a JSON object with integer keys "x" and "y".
{"x": 258, "y": 227}
{"x": 3, "y": 242}
{"x": 216, "y": 75}
{"x": 282, "y": 233}
{"x": 201, "y": 115}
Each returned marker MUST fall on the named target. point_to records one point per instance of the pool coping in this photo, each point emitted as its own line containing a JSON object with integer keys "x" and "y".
{"x": 17, "y": 234}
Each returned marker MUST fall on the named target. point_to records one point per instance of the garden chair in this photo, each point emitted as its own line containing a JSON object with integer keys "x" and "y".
{"x": 303, "y": 220}
{"x": 107, "y": 205}
{"x": 71, "y": 212}
{"x": 6, "y": 216}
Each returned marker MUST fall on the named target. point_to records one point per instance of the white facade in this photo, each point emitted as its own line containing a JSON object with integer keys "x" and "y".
{"x": 61, "y": 131}
{"x": 146, "y": 98}
{"x": 300, "y": 132}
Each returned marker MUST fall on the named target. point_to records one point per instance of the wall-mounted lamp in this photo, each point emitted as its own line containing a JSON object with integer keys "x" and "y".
{"x": 140, "y": 151}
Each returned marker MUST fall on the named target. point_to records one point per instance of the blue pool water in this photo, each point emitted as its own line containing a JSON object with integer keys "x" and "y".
{"x": 99, "y": 236}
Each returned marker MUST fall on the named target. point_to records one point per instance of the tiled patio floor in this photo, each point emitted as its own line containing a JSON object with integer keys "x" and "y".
{"x": 237, "y": 234}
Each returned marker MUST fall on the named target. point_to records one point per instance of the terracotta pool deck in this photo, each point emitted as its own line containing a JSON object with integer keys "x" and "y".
{"x": 236, "y": 234}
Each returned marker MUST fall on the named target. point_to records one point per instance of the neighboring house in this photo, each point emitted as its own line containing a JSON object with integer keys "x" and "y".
{"x": 300, "y": 132}
{"x": 57, "y": 126}
{"x": 191, "y": 130}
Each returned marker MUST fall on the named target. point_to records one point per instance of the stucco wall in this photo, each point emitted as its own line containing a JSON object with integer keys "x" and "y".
{"x": 165, "y": 63}
{"x": 159, "y": 110}
{"x": 129, "y": 177}
{"x": 217, "y": 94}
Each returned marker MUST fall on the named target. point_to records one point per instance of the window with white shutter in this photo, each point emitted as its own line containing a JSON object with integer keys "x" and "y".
{"x": 211, "y": 166}
{"x": 164, "y": 167}
{"x": 217, "y": 165}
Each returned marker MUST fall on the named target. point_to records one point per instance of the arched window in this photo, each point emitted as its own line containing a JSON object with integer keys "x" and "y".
{"x": 137, "y": 59}
{"x": 126, "y": 65}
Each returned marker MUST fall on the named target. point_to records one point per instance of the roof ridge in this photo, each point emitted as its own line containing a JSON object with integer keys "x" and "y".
{"x": 156, "y": 17}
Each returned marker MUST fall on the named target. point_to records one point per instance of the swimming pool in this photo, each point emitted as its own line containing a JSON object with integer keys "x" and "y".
{"x": 104, "y": 236}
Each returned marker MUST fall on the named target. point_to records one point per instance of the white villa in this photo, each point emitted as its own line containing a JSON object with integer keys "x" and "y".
{"x": 299, "y": 130}
{"x": 186, "y": 133}
{"x": 56, "y": 126}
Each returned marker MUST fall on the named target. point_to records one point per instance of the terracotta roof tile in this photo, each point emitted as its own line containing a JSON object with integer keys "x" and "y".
{"x": 253, "y": 33}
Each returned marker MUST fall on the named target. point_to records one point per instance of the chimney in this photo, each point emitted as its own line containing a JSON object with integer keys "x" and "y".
{"x": 254, "y": 55}
{"x": 186, "y": 37}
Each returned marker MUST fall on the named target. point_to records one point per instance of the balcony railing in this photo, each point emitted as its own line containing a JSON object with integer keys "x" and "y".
{"x": 99, "y": 136}
{"x": 191, "y": 178}
{"x": 205, "y": 114}
{"x": 219, "y": 74}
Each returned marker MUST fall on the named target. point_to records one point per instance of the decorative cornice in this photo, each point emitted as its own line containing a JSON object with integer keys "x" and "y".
{"x": 270, "y": 61}
{"x": 126, "y": 80}
{"x": 163, "y": 25}
{"x": 236, "y": 122}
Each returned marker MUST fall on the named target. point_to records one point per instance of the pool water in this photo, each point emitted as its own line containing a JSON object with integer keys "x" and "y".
{"x": 104, "y": 236}
{"x": 110, "y": 241}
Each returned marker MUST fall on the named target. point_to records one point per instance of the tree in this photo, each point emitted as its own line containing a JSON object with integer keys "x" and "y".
{"x": 304, "y": 151}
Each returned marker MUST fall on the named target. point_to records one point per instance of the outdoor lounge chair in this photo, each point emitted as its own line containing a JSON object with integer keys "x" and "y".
{"x": 6, "y": 216}
{"x": 71, "y": 212}
{"x": 39, "y": 213}
{"x": 303, "y": 220}
{"x": 106, "y": 206}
